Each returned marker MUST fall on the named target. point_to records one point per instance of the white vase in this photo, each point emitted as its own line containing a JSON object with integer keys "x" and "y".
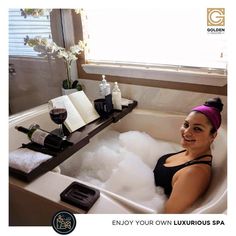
{"x": 68, "y": 91}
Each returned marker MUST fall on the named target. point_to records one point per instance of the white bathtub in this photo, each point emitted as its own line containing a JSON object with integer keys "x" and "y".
{"x": 43, "y": 194}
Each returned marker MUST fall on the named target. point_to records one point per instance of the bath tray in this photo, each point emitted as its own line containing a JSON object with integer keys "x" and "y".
{"x": 78, "y": 138}
{"x": 80, "y": 195}
{"x": 50, "y": 151}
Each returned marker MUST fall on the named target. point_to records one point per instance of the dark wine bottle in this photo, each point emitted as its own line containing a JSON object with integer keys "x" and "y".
{"x": 44, "y": 138}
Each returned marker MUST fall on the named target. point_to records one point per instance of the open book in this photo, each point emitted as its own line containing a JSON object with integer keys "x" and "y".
{"x": 80, "y": 110}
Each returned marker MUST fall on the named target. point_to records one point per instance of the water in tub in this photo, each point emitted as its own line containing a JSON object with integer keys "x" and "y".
{"x": 122, "y": 163}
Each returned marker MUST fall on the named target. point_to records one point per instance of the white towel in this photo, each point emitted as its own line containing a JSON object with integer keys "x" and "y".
{"x": 126, "y": 102}
{"x": 26, "y": 160}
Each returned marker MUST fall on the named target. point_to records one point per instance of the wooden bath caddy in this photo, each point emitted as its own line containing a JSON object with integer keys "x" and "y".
{"x": 78, "y": 138}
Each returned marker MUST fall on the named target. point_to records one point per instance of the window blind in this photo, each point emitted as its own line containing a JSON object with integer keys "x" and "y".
{"x": 19, "y": 27}
{"x": 162, "y": 36}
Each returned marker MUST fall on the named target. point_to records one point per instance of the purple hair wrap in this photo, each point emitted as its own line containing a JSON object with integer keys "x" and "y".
{"x": 211, "y": 113}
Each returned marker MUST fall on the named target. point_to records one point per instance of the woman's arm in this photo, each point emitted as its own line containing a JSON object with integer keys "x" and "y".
{"x": 188, "y": 186}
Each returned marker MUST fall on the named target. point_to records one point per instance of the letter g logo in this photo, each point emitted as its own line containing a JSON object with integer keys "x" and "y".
{"x": 215, "y": 16}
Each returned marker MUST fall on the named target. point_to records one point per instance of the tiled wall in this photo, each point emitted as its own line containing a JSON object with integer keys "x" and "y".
{"x": 157, "y": 98}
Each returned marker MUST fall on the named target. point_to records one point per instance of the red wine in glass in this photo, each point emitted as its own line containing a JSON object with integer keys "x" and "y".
{"x": 59, "y": 115}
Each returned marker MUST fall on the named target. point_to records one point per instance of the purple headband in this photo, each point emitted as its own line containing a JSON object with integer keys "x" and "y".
{"x": 211, "y": 113}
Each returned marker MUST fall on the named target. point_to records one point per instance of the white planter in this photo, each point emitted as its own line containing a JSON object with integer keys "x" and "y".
{"x": 68, "y": 91}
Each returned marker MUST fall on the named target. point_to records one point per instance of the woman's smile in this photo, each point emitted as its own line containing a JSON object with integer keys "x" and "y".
{"x": 189, "y": 140}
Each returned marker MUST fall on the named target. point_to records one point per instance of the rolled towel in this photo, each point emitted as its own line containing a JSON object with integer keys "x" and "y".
{"x": 26, "y": 160}
{"x": 126, "y": 102}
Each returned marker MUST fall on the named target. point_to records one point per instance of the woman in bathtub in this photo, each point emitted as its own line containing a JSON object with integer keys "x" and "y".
{"x": 186, "y": 175}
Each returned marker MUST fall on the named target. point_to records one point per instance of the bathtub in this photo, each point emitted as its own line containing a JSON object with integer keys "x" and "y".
{"x": 36, "y": 202}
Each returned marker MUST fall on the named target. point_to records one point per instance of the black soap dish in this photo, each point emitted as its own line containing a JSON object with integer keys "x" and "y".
{"x": 80, "y": 195}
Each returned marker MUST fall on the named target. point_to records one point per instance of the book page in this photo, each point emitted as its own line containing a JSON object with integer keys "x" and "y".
{"x": 84, "y": 106}
{"x": 74, "y": 119}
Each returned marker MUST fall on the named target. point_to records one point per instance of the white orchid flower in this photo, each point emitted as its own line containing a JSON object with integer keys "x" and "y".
{"x": 72, "y": 57}
{"x": 75, "y": 49}
{"x": 48, "y": 48}
{"x": 82, "y": 45}
{"x": 62, "y": 54}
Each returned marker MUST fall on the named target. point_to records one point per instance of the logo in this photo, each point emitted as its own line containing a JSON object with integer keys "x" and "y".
{"x": 215, "y": 17}
{"x": 63, "y": 222}
{"x": 216, "y": 20}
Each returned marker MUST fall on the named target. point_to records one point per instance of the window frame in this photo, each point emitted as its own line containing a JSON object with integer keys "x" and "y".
{"x": 206, "y": 80}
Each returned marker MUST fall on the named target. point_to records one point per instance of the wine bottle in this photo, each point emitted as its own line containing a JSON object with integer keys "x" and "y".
{"x": 44, "y": 138}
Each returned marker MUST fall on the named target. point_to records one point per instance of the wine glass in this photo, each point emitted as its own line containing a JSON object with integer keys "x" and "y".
{"x": 58, "y": 115}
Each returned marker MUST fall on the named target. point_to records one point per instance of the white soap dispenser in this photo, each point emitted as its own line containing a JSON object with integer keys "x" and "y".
{"x": 107, "y": 88}
{"x": 116, "y": 97}
{"x": 102, "y": 87}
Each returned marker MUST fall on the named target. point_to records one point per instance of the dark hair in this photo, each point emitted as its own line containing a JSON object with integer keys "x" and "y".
{"x": 216, "y": 103}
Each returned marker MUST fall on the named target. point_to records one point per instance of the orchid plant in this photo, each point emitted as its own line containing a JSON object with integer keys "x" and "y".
{"x": 34, "y": 12}
{"x": 48, "y": 48}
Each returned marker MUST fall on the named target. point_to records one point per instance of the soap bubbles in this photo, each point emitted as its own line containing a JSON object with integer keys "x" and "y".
{"x": 122, "y": 163}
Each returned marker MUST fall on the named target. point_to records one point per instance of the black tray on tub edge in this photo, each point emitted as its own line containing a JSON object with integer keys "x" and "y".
{"x": 79, "y": 138}
{"x": 80, "y": 195}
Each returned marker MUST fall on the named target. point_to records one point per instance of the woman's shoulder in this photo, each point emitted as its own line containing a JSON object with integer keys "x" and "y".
{"x": 194, "y": 174}
{"x": 188, "y": 185}
{"x": 198, "y": 169}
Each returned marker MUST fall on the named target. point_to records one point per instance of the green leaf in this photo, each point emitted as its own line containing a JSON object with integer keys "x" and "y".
{"x": 79, "y": 87}
{"x": 74, "y": 84}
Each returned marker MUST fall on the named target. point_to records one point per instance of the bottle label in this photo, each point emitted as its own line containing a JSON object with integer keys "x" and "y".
{"x": 39, "y": 136}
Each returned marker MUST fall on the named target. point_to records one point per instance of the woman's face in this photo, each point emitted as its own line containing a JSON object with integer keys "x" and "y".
{"x": 195, "y": 132}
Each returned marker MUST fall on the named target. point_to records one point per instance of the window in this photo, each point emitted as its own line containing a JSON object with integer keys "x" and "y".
{"x": 154, "y": 36}
{"x": 20, "y": 27}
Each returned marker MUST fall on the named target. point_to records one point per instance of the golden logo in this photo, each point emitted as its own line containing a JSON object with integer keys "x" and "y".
{"x": 215, "y": 16}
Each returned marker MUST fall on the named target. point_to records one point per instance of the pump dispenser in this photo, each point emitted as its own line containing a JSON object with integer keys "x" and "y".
{"x": 104, "y": 87}
{"x": 116, "y": 97}
{"x": 106, "y": 97}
